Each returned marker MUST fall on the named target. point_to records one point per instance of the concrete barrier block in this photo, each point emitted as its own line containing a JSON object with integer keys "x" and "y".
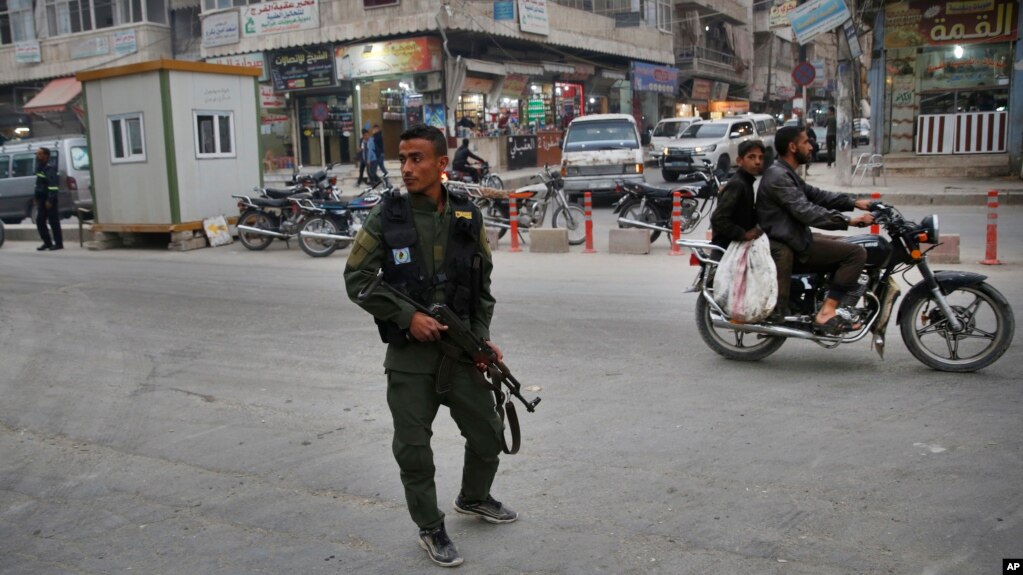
{"x": 548, "y": 240}
{"x": 947, "y": 251}
{"x": 628, "y": 241}
{"x": 194, "y": 243}
{"x": 493, "y": 237}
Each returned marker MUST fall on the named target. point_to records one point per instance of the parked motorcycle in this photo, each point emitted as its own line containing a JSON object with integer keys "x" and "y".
{"x": 950, "y": 320}
{"x": 332, "y": 225}
{"x": 646, "y": 206}
{"x": 275, "y": 214}
{"x": 533, "y": 209}
{"x": 487, "y": 178}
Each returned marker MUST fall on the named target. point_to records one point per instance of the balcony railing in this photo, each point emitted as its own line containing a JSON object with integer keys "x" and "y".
{"x": 690, "y": 53}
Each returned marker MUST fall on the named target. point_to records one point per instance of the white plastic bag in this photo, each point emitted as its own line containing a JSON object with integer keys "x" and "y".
{"x": 746, "y": 284}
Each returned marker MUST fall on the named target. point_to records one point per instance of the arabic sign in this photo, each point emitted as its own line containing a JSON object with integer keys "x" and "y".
{"x": 280, "y": 16}
{"x": 270, "y": 99}
{"x": 977, "y": 66}
{"x": 927, "y": 23}
{"x": 504, "y": 10}
{"x": 702, "y": 89}
{"x": 27, "y": 53}
{"x": 650, "y": 78}
{"x": 384, "y": 58}
{"x": 514, "y": 85}
{"x": 254, "y": 60}
{"x": 533, "y": 17}
{"x": 521, "y": 152}
{"x": 816, "y": 17}
{"x": 125, "y": 42}
{"x": 300, "y": 68}
{"x": 820, "y": 74}
{"x": 548, "y": 148}
{"x": 779, "y": 17}
{"x": 89, "y": 47}
{"x": 220, "y": 29}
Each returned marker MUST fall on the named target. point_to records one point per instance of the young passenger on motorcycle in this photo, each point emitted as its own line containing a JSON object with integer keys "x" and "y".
{"x": 787, "y": 207}
{"x": 461, "y": 161}
{"x": 735, "y": 217}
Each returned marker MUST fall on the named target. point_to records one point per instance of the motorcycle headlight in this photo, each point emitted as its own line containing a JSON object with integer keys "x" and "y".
{"x": 927, "y": 233}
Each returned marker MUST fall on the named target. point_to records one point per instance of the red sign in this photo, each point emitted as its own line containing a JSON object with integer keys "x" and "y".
{"x": 928, "y": 23}
{"x": 320, "y": 112}
{"x": 803, "y": 74}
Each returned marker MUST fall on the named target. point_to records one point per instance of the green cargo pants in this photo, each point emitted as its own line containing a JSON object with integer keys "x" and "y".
{"x": 414, "y": 402}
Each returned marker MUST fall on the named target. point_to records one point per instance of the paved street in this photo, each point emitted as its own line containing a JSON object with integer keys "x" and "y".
{"x": 222, "y": 411}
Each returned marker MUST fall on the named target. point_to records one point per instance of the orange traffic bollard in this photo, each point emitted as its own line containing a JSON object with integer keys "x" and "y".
{"x": 991, "y": 250}
{"x": 513, "y": 221}
{"x": 676, "y": 224}
{"x": 588, "y": 212}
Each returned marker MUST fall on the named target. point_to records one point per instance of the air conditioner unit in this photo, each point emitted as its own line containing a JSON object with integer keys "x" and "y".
{"x": 427, "y": 82}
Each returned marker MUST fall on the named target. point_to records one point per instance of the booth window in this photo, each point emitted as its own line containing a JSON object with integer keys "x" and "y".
{"x": 214, "y": 134}
{"x": 127, "y": 138}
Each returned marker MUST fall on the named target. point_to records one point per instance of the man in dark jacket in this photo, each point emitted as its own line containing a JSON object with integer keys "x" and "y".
{"x": 47, "y": 210}
{"x": 378, "y": 146}
{"x": 787, "y": 207}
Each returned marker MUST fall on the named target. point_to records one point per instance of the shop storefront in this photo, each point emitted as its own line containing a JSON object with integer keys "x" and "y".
{"x": 397, "y": 83}
{"x": 948, "y": 76}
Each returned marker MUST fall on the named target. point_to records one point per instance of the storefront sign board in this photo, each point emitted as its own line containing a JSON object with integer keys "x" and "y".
{"x": 913, "y": 23}
{"x": 297, "y": 69}
{"x": 719, "y": 91}
{"x": 651, "y": 78}
{"x": 27, "y": 53}
{"x": 280, "y": 16}
{"x": 125, "y": 42}
{"x": 474, "y": 85}
{"x": 816, "y": 17}
{"x": 514, "y": 85}
{"x": 521, "y": 152}
{"x": 548, "y": 148}
{"x": 384, "y": 58}
{"x": 820, "y": 76}
{"x": 269, "y": 99}
{"x": 729, "y": 107}
{"x": 533, "y": 17}
{"x": 89, "y": 47}
{"x": 504, "y": 10}
{"x": 779, "y": 17}
{"x": 220, "y": 29}
{"x": 254, "y": 60}
{"x": 702, "y": 89}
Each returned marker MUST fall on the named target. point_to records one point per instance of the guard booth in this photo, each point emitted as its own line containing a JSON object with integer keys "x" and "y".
{"x": 171, "y": 141}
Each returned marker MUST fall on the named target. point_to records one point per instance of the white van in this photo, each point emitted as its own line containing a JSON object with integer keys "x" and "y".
{"x": 667, "y": 130}
{"x": 598, "y": 151}
{"x": 18, "y": 175}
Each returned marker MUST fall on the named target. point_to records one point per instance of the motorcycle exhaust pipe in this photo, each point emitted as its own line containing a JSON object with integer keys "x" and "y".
{"x": 634, "y": 223}
{"x": 496, "y": 224}
{"x": 764, "y": 329}
{"x": 326, "y": 237}
{"x": 262, "y": 232}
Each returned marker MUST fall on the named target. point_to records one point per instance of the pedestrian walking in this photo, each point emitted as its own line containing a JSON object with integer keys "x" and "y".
{"x": 362, "y": 158}
{"x": 370, "y": 154}
{"x": 431, "y": 244}
{"x": 378, "y": 145}
{"x": 46, "y": 201}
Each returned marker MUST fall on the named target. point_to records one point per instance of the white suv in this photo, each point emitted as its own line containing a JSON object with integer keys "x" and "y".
{"x": 667, "y": 131}
{"x": 717, "y": 141}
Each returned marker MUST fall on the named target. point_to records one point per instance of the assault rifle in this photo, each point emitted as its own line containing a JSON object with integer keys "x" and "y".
{"x": 460, "y": 336}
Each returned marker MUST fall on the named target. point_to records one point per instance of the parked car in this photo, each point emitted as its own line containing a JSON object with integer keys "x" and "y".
{"x": 18, "y": 175}
{"x": 715, "y": 140}
{"x": 667, "y": 131}
{"x": 599, "y": 150}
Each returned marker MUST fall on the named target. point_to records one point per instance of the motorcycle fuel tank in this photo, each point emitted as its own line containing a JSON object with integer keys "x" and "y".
{"x": 878, "y": 248}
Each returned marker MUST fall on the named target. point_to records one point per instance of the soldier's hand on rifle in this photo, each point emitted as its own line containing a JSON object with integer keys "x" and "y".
{"x": 425, "y": 328}
{"x": 497, "y": 352}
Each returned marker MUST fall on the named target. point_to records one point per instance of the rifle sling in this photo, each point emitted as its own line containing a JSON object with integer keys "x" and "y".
{"x": 502, "y": 402}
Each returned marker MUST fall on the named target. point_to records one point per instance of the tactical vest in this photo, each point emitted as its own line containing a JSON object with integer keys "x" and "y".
{"x": 403, "y": 260}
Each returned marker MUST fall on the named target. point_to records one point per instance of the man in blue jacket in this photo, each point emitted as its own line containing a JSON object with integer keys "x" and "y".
{"x": 47, "y": 210}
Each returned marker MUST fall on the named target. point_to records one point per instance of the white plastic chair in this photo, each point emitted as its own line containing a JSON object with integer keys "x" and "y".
{"x": 872, "y": 163}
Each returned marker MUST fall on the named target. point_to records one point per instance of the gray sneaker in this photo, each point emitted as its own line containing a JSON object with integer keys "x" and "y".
{"x": 490, "y": 510}
{"x": 439, "y": 547}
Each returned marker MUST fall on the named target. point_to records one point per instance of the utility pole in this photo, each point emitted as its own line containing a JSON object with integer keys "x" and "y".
{"x": 844, "y": 109}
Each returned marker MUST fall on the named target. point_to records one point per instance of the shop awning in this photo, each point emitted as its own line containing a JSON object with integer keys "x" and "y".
{"x": 484, "y": 67}
{"x": 54, "y": 97}
{"x": 557, "y": 68}
{"x": 525, "y": 69}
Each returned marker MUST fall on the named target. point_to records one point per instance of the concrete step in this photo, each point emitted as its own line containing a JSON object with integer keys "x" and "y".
{"x": 961, "y": 165}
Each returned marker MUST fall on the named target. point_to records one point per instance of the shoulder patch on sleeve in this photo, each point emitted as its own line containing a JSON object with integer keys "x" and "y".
{"x": 364, "y": 245}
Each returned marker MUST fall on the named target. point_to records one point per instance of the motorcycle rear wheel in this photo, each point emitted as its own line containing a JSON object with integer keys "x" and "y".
{"x": 494, "y": 210}
{"x": 320, "y": 248}
{"x": 988, "y": 323}
{"x": 255, "y": 219}
{"x": 575, "y": 223}
{"x": 646, "y": 214}
{"x": 492, "y": 181}
{"x": 733, "y": 344}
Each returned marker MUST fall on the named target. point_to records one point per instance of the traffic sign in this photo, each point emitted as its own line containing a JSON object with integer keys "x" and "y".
{"x": 320, "y": 112}
{"x": 803, "y": 74}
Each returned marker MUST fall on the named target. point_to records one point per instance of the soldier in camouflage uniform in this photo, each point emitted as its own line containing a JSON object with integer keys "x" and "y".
{"x": 431, "y": 245}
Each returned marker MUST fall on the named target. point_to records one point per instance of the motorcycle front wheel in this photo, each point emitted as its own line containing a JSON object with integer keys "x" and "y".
{"x": 733, "y": 344}
{"x": 318, "y": 248}
{"x": 255, "y": 219}
{"x": 645, "y": 213}
{"x": 987, "y": 321}
{"x": 575, "y": 222}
